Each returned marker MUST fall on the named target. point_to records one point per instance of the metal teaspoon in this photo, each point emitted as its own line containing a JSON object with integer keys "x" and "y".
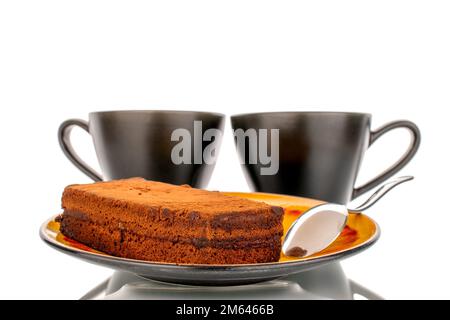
{"x": 319, "y": 226}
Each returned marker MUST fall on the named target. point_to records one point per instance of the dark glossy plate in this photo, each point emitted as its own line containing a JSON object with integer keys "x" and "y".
{"x": 360, "y": 233}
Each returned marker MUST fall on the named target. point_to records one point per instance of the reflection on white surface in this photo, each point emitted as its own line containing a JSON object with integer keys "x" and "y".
{"x": 327, "y": 282}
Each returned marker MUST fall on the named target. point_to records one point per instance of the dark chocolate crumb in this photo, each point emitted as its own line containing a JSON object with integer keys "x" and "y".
{"x": 296, "y": 252}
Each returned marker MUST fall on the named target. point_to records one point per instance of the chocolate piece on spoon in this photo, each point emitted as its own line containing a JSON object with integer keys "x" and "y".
{"x": 296, "y": 252}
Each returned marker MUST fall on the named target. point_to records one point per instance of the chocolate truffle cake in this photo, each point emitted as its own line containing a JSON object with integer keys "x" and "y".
{"x": 155, "y": 221}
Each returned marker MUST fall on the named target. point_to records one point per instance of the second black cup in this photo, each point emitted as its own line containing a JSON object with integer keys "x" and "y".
{"x": 141, "y": 144}
{"x": 318, "y": 154}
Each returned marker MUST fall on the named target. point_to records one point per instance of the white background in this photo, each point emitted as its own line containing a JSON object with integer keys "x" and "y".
{"x": 61, "y": 59}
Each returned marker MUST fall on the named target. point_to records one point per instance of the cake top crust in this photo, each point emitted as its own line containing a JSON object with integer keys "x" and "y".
{"x": 153, "y": 193}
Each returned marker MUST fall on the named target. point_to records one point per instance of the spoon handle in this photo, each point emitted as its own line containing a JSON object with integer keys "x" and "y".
{"x": 381, "y": 191}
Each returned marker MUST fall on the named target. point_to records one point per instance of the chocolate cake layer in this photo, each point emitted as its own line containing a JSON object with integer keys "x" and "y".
{"x": 154, "y": 221}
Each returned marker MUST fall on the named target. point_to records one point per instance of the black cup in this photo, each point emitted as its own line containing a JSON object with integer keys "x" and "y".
{"x": 139, "y": 144}
{"x": 320, "y": 153}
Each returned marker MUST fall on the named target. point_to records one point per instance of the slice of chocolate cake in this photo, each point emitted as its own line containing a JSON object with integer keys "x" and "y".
{"x": 160, "y": 222}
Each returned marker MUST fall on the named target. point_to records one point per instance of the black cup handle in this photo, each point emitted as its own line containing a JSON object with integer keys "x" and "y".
{"x": 403, "y": 161}
{"x": 64, "y": 142}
